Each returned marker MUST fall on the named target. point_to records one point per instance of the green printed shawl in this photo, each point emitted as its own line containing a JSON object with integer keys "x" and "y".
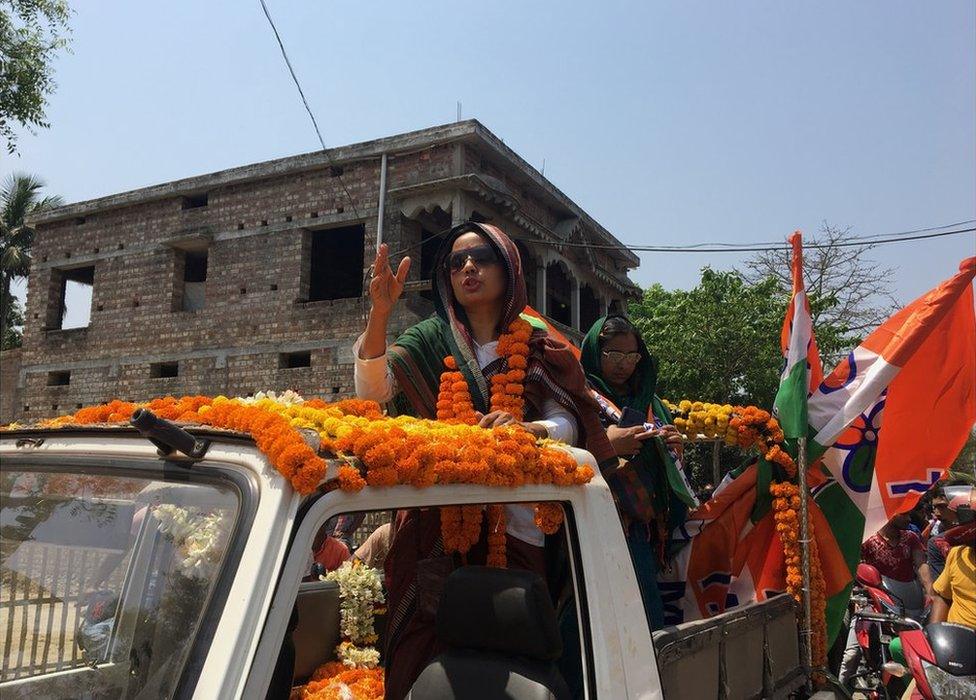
{"x": 417, "y": 356}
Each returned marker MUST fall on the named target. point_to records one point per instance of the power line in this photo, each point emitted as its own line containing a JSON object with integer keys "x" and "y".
{"x": 308, "y": 109}
{"x": 752, "y": 249}
{"x": 852, "y": 238}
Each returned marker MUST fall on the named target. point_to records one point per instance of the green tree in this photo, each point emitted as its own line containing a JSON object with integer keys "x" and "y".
{"x": 718, "y": 342}
{"x": 849, "y": 293}
{"x": 20, "y": 198}
{"x": 31, "y": 34}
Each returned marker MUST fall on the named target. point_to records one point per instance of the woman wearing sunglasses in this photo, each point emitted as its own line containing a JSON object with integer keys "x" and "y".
{"x": 650, "y": 489}
{"x": 479, "y": 291}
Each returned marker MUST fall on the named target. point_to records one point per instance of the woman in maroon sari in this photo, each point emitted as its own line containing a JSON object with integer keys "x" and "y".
{"x": 479, "y": 291}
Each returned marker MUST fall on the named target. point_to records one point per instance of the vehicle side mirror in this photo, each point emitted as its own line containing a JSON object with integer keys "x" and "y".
{"x": 868, "y": 575}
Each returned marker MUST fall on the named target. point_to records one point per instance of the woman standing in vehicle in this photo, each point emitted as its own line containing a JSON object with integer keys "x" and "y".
{"x": 479, "y": 292}
{"x": 651, "y": 492}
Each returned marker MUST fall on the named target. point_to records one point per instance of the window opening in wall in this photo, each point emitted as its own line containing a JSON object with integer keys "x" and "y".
{"x": 74, "y": 298}
{"x": 336, "y": 171}
{"x": 164, "y": 370}
{"x": 292, "y": 360}
{"x": 59, "y": 378}
{"x": 195, "y": 201}
{"x": 335, "y": 265}
{"x": 194, "y": 292}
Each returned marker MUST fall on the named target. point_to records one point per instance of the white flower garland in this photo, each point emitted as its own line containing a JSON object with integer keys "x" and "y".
{"x": 198, "y": 537}
{"x": 360, "y": 593}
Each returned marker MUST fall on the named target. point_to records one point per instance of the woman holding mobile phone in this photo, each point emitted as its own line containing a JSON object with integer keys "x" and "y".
{"x": 651, "y": 492}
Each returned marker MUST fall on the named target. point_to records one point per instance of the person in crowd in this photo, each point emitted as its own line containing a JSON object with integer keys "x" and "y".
{"x": 897, "y": 552}
{"x": 954, "y": 590}
{"x": 479, "y": 292}
{"x": 649, "y": 488}
{"x": 937, "y": 546}
{"x": 373, "y": 551}
{"x": 329, "y": 551}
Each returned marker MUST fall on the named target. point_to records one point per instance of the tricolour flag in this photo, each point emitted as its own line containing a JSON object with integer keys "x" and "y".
{"x": 801, "y": 369}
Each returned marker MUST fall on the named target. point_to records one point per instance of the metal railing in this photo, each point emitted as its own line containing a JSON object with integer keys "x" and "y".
{"x": 43, "y": 590}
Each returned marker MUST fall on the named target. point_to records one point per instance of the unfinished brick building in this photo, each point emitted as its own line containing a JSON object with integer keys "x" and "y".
{"x": 252, "y": 278}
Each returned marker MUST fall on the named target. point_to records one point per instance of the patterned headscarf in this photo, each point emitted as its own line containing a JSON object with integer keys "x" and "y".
{"x": 416, "y": 358}
{"x": 451, "y": 312}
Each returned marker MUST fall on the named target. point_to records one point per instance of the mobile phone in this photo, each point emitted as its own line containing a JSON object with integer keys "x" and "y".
{"x": 630, "y": 417}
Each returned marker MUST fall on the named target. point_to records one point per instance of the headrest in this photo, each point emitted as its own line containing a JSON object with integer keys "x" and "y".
{"x": 501, "y": 610}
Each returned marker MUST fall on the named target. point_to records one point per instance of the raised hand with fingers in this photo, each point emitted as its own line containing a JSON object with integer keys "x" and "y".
{"x": 386, "y": 286}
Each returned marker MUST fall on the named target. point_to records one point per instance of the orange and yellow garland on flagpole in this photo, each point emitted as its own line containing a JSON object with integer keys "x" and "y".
{"x": 750, "y": 427}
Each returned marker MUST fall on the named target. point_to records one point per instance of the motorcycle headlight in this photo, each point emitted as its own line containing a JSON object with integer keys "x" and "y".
{"x": 946, "y": 686}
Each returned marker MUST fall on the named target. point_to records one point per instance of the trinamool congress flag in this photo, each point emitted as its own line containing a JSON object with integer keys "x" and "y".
{"x": 891, "y": 418}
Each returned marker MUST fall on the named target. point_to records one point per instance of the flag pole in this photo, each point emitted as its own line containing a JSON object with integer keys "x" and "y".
{"x": 807, "y": 628}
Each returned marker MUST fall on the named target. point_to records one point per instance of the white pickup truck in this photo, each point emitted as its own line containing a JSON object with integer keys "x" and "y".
{"x": 127, "y": 573}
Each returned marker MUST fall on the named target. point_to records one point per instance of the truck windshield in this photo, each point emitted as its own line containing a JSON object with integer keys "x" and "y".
{"x": 105, "y": 579}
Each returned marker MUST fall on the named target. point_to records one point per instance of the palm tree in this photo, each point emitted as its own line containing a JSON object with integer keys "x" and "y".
{"x": 20, "y": 199}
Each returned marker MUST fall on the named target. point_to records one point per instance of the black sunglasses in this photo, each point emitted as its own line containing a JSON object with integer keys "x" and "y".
{"x": 481, "y": 256}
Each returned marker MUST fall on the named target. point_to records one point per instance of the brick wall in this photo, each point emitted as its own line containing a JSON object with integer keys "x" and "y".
{"x": 9, "y": 396}
{"x": 257, "y": 235}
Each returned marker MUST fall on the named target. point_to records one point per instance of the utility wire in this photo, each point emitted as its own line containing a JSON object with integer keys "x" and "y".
{"x": 854, "y": 241}
{"x": 753, "y": 248}
{"x": 308, "y": 109}
{"x": 852, "y": 238}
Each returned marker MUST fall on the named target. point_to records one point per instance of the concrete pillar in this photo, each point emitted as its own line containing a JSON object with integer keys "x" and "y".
{"x": 540, "y": 289}
{"x": 574, "y": 302}
{"x": 459, "y": 208}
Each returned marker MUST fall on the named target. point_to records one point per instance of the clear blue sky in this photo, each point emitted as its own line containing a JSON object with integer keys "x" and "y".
{"x": 668, "y": 122}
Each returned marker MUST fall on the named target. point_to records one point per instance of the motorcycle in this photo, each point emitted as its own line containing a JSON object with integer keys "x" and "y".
{"x": 881, "y": 596}
{"x": 940, "y": 657}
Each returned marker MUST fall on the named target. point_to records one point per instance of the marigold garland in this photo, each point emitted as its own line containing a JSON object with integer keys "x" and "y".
{"x": 744, "y": 426}
{"x": 786, "y": 507}
{"x": 335, "y": 681}
{"x": 454, "y": 402}
{"x": 454, "y": 405}
{"x": 497, "y": 553}
{"x": 401, "y": 450}
{"x": 549, "y": 517}
{"x": 751, "y": 427}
